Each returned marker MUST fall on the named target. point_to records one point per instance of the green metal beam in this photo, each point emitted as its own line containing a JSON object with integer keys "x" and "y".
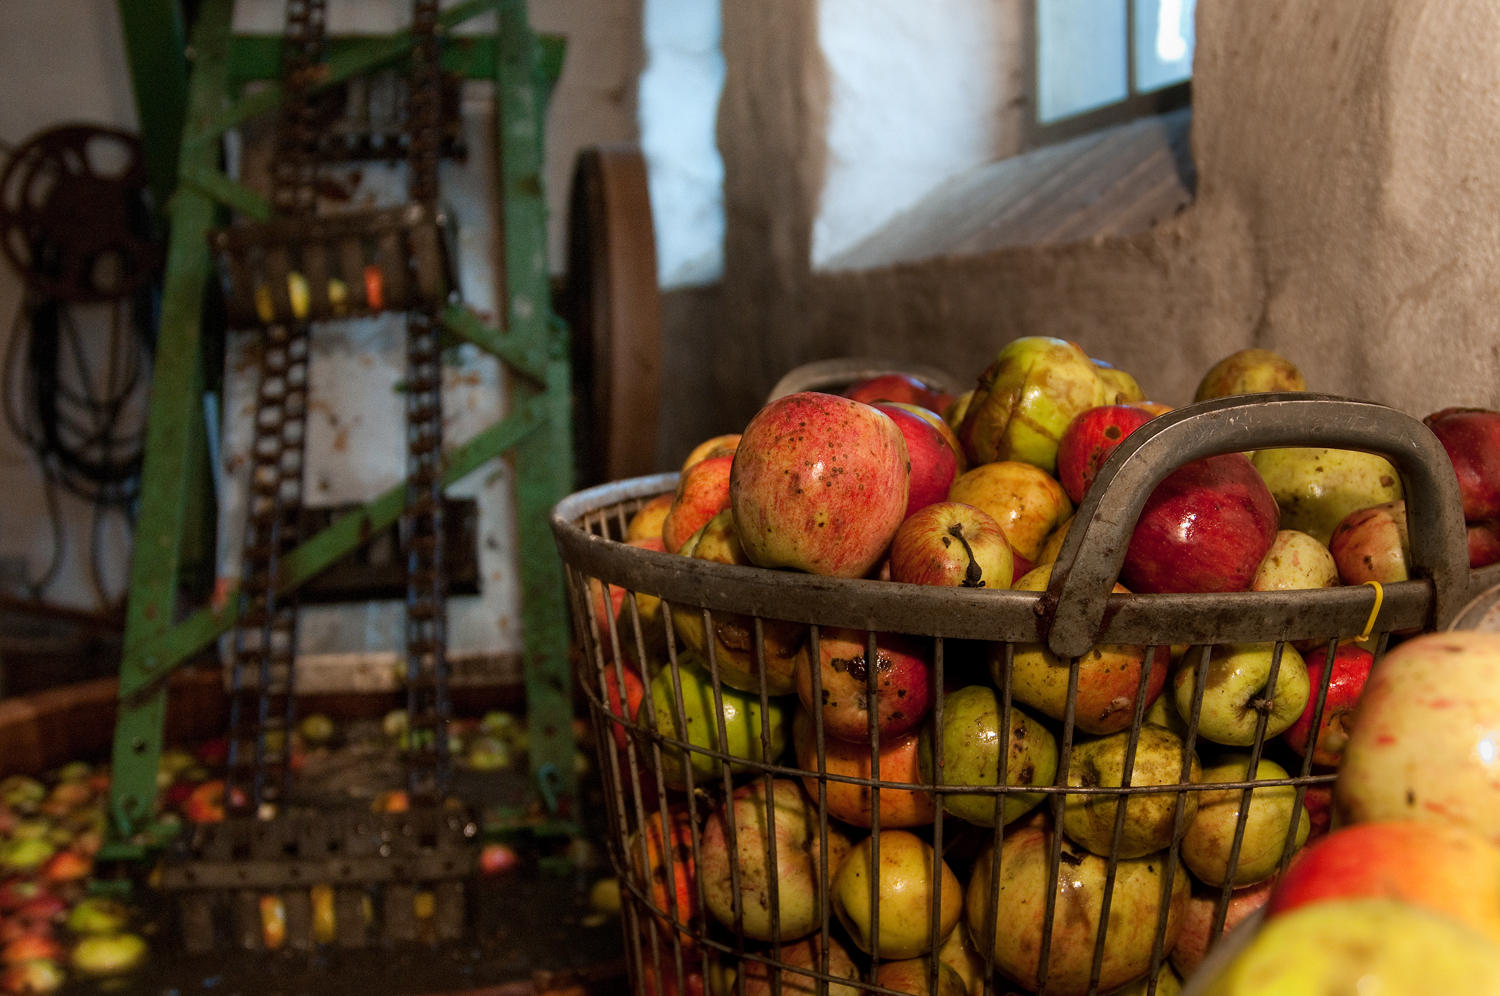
{"x": 231, "y": 193}
{"x": 157, "y": 657}
{"x": 350, "y": 60}
{"x": 154, "y": 44}
{"x": 544, "y": 461}
{"x": 526, "y": 360}
{"x": 175, "y": 410}
{"x": 258, "y": 57}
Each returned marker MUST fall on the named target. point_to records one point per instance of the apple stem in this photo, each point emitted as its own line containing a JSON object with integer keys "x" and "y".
{"x": 1262, "y": 704}
{"x": 974, "y": 575}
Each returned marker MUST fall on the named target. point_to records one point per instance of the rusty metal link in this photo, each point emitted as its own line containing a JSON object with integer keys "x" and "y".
{"x": 265, "y": 640}
{"x": 294, "y": 171}
{"x": 422, "y": 522}
{"x": 263, "y": 674}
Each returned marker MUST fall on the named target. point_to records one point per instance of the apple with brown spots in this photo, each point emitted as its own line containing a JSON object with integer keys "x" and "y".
{"x": 903, "y": 683}
{"x": 819, "y": 484}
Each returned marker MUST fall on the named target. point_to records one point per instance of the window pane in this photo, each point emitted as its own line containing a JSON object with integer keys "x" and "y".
{"x": 678, "y": 108}
{"x": 1163, "y": 43}
{"x": 1080, "y": 56}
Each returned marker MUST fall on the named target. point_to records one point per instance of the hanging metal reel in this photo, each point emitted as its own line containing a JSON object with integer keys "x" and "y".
{"x": 74, "y": 218}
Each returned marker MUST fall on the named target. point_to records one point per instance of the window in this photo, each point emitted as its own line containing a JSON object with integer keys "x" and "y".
{"x": 1098, "y": 62}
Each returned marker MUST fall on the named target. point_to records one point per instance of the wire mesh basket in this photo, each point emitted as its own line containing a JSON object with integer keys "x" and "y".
{"x": 701, "y": 770}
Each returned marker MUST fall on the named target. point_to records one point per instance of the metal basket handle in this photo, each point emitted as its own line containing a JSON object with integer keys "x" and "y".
{"x": 1094, "y": 550}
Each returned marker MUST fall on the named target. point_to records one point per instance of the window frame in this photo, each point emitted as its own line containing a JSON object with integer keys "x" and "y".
{"x": 1036, "y": 135}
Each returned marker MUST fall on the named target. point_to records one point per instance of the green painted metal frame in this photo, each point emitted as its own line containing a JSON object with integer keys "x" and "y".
{"x": 534, "y": 346}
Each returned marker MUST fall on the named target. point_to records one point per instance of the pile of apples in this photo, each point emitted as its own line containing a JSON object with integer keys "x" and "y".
{"x": 50, "y": 924}
{"x": 893, "y": 482}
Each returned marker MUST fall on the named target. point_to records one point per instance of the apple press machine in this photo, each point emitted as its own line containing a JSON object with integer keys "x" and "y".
{"x": 282, "y": 263}
{"x": 659, "y": 777}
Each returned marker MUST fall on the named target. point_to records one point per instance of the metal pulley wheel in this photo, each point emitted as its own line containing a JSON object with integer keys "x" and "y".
{"x": 74, "y": 219}
{"x": 613, "y": 304}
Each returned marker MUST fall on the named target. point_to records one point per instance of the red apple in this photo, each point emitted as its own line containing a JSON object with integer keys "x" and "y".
{"x": 903, "y": 684}
{"x": 1089, "y": 440}
{"x": 651, "y": 860}
{"x": 852, "y": 803}
{"x": 1448, "y": 869}
{"x": 497, "y": 859}
{"x": 30, "y": 946}
{"x": 1198, "y": 921}
{"x": 1472, "y": 438}
{"x": 943, "y": 428}
{"x": 16, "y": 892}
{"x": 1318, "y": 801}
{"x": 892, "y": 387}
{"x": 634, "y": 689}
{"x": 1371, "y": 544}
{"x": 1205, "y": 528}
{"x": 1023, "y": 566}
{"x": 1351, "y": 666}
{"x": 819, "y": 485}
{"x": 952, "y": 544}
{"x": 934, "y": 464}
{"x": 1484, "y": 543}
{"x": 702, "y": 493}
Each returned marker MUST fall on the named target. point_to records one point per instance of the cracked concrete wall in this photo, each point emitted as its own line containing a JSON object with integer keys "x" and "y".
{"x": 1345, "y": 216}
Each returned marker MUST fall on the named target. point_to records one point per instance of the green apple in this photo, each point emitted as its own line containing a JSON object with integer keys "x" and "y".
{"x": 1163, "y": 712}
{"x": 1026, "y": 398}
{"x": 1236, "y": 689}
{"x": 1316, "y": 488}
{"x": 905, "y": 896}
{"x": 1369, "y": 947}
{"x": 742, "y": 723}
{"x": 1025, "y": 879}
{"x": 1149, "y": 818}
{"x": 1210, "y": 836}
{"x": 798, "y": 875}
{"x": 971, "y": 754}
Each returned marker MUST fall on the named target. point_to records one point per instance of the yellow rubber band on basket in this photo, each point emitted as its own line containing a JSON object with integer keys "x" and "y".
{"x": 1375, "y": 611}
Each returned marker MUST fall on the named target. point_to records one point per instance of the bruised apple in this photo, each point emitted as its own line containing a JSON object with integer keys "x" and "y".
{"x": 1372, "y": 544}
{"x": 1109, "y": 675}
{"x": 1025, "y": 878}
{"x": 1250, "y": 371}
{"x": 1119, "y": 387}
{"x": 794, "y": 835}
{"x": 1149, "y": 818}
{"x": 1026, "y": 398}
{"x": 852, "y": 803}
{"x": 734, "y": 634}
{"x": 974, "y": 742}
{"x": 1090, "y": 439}
{"x": 952, "y": 544}
{"x": 903, "y": 683}
{"x": 819, "y": 484}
